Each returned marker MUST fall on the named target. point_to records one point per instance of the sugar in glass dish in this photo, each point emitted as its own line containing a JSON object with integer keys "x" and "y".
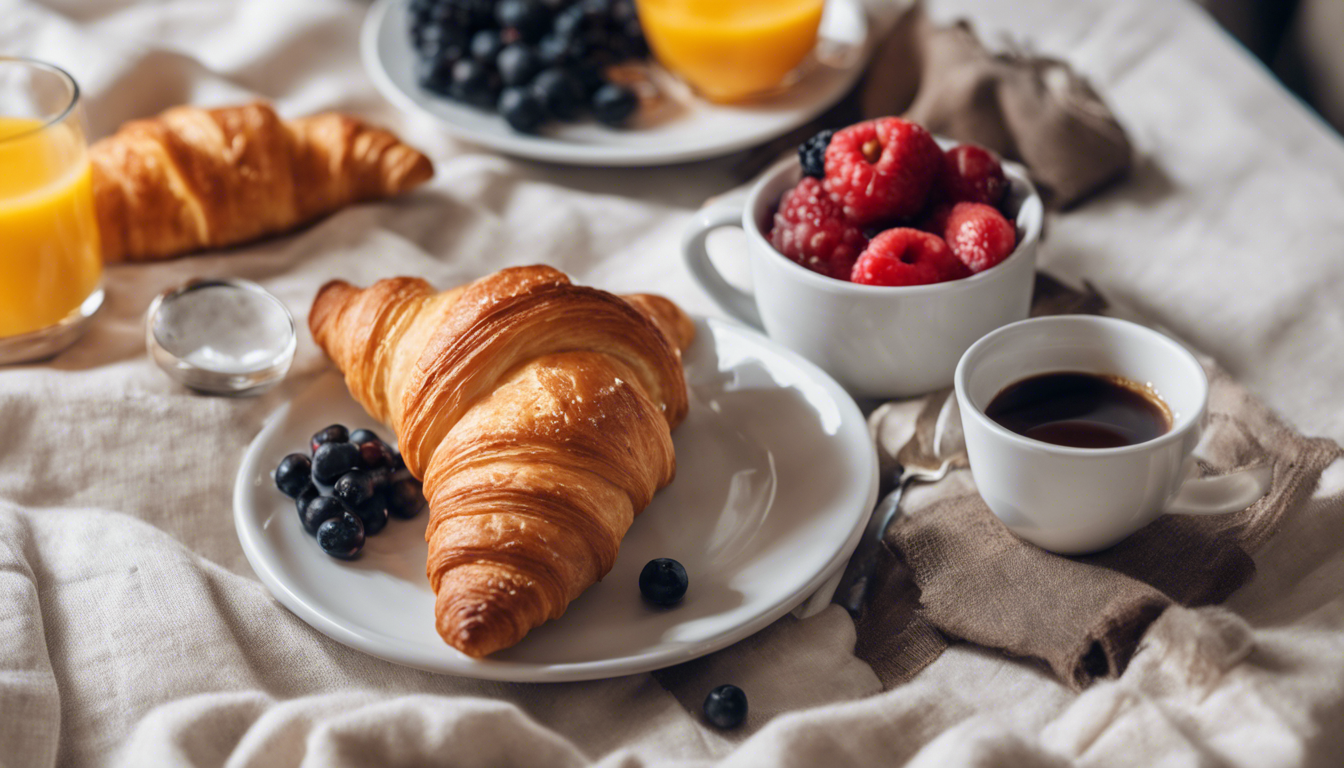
{"x": 50, "y": 257}
{"x": 735, "y": 50}
{"x": 221, "y": 336}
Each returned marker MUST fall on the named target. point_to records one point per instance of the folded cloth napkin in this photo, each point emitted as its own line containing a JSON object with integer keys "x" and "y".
{"x": 1031, "y": 109}
{"x": 951, "y": 570}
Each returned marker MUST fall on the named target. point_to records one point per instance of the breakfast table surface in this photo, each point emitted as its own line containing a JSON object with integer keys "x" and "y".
{"x": 136, "y": 633}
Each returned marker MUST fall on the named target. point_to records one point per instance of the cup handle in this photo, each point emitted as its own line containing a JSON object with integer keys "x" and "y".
{"x": 1222, "y": 494}
{"x": 736, "y": 302}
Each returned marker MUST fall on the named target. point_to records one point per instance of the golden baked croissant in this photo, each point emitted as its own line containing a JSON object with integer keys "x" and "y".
{"x": 206, "y": 178}
{"x": 538, "y": 414}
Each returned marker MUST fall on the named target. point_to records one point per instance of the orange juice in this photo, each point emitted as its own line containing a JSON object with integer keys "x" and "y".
{"x": 731, "y": 49}
{"x": 49, "y": 250}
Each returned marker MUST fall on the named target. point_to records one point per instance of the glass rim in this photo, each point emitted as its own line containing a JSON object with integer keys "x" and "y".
{"x": 60, "y": 73}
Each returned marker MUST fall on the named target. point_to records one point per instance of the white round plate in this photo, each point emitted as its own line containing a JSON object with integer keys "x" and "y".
{"x": 776, "y": 476}
{"x": 687, "y": 128}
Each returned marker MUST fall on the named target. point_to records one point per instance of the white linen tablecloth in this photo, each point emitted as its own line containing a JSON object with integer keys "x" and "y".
{"x": 133, "y": 632}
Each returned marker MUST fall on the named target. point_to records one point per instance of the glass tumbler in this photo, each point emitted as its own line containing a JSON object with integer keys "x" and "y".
{"x": 50, "y": 260}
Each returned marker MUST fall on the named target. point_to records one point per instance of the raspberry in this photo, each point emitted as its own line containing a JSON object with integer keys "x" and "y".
{"x": 972, "y": 174}
{"x": 810, "y": 229}
{"x": 906, "y": 256}
{"x": 979, "y": 235}
{"x": 882, "y": 169}
{"x": 812, "y": 154}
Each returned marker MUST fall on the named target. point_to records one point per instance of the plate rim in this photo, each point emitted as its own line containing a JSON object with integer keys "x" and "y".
{"x": 553, "y": 151}
{"x": 523, "y": 672}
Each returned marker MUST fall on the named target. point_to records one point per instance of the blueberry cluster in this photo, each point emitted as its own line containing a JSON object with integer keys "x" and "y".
{"x": 348, "y": 488}
{"x": 531, "y": 60}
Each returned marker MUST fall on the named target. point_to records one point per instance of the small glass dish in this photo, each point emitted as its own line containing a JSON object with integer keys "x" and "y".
{"x": 222, "y": 336}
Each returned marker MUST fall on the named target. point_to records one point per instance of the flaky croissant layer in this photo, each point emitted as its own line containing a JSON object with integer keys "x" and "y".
{"x": 538, "y": 414}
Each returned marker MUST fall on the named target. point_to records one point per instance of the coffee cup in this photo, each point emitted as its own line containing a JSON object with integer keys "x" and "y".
{"x": 877, "y": 341}
{"x": 1073, "y": 500}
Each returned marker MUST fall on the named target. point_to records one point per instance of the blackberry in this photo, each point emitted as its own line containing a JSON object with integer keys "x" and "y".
{"x": 812, "y": 153}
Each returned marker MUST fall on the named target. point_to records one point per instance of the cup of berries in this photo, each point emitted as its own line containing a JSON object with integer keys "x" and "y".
{"x": 880, "y": 254}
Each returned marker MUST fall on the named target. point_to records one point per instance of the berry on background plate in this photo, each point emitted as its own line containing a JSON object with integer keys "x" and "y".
{"x": 881, "y": 170}
{"x": 810, "y": 228}
{"x": 906, "y": 256}
{"x": 476, "y": 51}
{"x": 979, "y": 235}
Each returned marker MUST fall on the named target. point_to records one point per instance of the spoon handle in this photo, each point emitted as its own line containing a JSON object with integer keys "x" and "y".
{"x": 853, "y": 586}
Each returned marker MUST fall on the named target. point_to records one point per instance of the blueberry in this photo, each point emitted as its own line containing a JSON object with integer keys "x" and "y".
{"x": 354, "y": 488}
{"x": 568, "y": 22}
{"x": 397, "y": 461}
{"x": 436, "y": 43}
{"x": 663, "y": 581}
{"x": 517, "y": 64}
{"x": 614, "y": 104}
{"x": 382, "y": 480}
{"x": 294, "y": 474}
{"x": 362, "y": 436}
{"x": 375, "y": 455}
{"x": 726, "y": 706}
{"x": 529, "y": 17}
{"x": 406, "y": 499}
{"x": 812, "y": 154}
{"x": 523, "y": 111}
{"x": 589, "y": 77}
{"x": 485, "y": 45}
{"x": 597, "y": 9}
{"x": 560, "y": 92}
{"x": 553, "y": 50}
{"x": 373, "y": 514}
{"x": 320, "y": 510}
{"x": 341, "y": 536}
{"x": 474, "y": 83}
{"x": 331, "y": 460}
{"x": 435, "y": 75}
{"x": 301, "y": 502}
{"x": 336, "y": 433}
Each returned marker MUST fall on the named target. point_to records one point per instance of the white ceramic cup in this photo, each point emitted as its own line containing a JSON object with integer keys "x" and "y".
{"x": 1076, "y": 500}
{"x": 877, "y": 341}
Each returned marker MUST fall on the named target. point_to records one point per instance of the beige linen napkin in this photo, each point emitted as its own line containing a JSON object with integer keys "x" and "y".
{"x": 1031, "y": 109}
{"x": 950, "y": 570}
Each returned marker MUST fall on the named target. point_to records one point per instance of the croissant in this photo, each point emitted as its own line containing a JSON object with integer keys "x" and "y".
{"x": 538, "y": 415}
{"x": 205, "y": 178}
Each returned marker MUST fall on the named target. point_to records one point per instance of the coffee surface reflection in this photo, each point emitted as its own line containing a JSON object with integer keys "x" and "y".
{"x": 1081, "y": 410}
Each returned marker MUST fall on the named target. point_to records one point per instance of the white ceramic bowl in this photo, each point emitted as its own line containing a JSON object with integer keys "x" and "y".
{"x": 877, "y": 341}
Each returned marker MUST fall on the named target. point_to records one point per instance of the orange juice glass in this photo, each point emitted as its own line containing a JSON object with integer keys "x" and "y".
{"x": 730, "y": 50}
{"x": 50, "y": 263}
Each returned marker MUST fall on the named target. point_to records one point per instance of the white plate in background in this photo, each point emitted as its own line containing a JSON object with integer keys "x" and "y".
{"x": 776, "y": 476}
{"x": 687, "y": 129}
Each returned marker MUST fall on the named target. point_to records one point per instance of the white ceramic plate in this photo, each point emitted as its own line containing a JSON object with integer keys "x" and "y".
{"x": 776, "y": 477}
{"x": 686, "y": 129}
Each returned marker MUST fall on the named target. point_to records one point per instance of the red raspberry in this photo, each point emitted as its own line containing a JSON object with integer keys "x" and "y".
{"x": 882, "y": 169}
{"x": 906, "y": 256}
{"x": 979, "y": 235}
{"x": 972, "y": 174}
{"x": 810, "y": 229}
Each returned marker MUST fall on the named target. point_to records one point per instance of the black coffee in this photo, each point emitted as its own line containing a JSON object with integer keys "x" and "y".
{"x": 1081, "y": 410}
